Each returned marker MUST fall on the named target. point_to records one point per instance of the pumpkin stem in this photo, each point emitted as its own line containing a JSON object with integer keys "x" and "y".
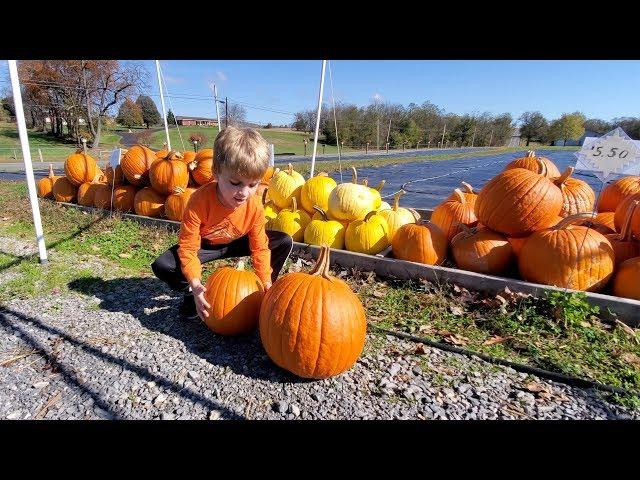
{"x": 531, "y": 153}
{"x": 369, "y": 215}
{"x": 415, "y": 214}
{"x": 365, "y": 182}
{"x": 290, "y": 169}
{"x": 354, "y": 178}
{"x": 380, "y": 185}
{"x": 542, "y": 167}
{"x": 322, "y": 212}
{"x": 178, "y": 190}
{"x": 240, "y": 265}
{"x": 467, "y": 187}
{"x": 626, "y": 232}
{"x": 322, "y": 174}
{"x": 572, "y": 219}
{"x": 294, "y": 204}
{"x": 318, "y": 268}
{"x": 396, "y": 200}
{"x": 460, "y": 196}
{"x": 566, "y": 174}
{"x": 51, "y": 170}
{"x": 264, "y": 196}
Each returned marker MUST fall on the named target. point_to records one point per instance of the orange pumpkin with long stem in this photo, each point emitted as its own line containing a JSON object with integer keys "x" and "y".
{"x": 624, "y": 245}
{"x": 617, "y": 191}
{"x": 45, "y": 185}
{"x": 577, "y": 195}
{"x": 422, "y": 242}
{"x": 80, "y": 168}
{"x": 626, "y": 281}
{"x": 482, "y": 251}
{"x": 450, "y": 214}
{"x": 312, "y": 325}
{"x": 136, "y": 163}
{"x": 568, "y": 256}
{"x": 532, "y": 162}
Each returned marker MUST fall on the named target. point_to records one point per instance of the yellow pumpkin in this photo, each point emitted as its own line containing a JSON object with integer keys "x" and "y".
{"x": 384, "y": 206}
{"x": 369, "y": 235}
{"x": 284, "y": 186}
{"x": 397, "y": 216}
{"x": 351, "y": 201}
{"x": 324, "y": 231}
{"x": 270, "y": 210}
{"x": 290, "y": 221}
{"x": 375, "y": 191}
{"x": 316, "y": 191}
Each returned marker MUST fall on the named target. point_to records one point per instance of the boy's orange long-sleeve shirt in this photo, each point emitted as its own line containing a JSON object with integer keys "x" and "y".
{"x": 205, "y": 218}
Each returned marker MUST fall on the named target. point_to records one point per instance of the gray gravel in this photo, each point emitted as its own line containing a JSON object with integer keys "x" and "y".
{"x": 116, "y": 349}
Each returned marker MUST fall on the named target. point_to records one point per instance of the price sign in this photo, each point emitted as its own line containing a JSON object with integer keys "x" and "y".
{"x": 114, "y": 158}
{"x": 613, "y": 153}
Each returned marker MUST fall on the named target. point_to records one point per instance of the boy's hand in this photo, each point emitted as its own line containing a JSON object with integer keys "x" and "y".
{"x": 202, "y": 306}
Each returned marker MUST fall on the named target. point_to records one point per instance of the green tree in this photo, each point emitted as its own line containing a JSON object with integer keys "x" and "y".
{"x": 150, "y": 114}
{"x": 533, "y": 126}
{"x": 598, "y": 125}
{"x": 570, "y": 126}
{"x": 171, "y": 119}
{"x": 129, "y": 114}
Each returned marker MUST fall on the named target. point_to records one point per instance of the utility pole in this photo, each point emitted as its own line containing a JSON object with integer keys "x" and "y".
{"x": 226, "y": 112}
{"x": 444, "y": 129}
{"x": 378, "y": 135}
{"x": 388, "y": 131}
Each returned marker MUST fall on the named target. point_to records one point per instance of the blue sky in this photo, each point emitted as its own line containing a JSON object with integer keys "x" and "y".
{"x": 600, "y": 89}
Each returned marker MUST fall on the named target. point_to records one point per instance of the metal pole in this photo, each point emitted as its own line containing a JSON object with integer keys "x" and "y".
{"x": 164, "y": 112}
{"x": 26, "y": 154}
{"x": 315, "y": 136}
{"x": 226, "y": 112}
{"x": 215, "y": 97}
{"x": 272, "y": 155}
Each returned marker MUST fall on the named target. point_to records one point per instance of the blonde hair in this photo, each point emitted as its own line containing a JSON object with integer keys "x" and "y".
{"x": 242, "y": 151}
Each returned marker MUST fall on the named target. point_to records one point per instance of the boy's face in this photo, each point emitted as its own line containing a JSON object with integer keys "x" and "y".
{"x": 235, "y": 189}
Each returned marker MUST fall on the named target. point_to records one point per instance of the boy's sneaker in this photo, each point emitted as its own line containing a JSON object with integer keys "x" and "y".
{"x": 188, "y": 308}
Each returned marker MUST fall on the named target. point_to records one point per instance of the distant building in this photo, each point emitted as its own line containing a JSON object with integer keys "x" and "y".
{"x": 514, "y": 140}
{"x": 580, "y": 141}
{"x": 197, "y": 121}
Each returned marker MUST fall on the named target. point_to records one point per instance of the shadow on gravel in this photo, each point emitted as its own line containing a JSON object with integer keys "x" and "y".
{"x": 16, "y": 327}
{"x": 156, "y": 307}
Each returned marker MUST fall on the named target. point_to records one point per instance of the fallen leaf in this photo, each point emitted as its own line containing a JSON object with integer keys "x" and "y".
{"x": 453, "y": 338}
{"x": 425, "y": 328}
{"x": 420, "y": 349}
{"x": 627, "y": 329}
{"x": 535, "y": 387}
{"x": 55, "y": 290}
{"x": 95, "y": 248}
{"x": 124, "y": 255}
{"x": 379, "y": 294}
{"x": 631, "y": 358}
{"x": 495, "y": 339}
{"x": 456, "y": 310}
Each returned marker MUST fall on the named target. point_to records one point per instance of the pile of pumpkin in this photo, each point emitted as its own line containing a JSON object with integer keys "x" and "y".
{"x": 154, "y": 184}
{"x": 529, "y": 221}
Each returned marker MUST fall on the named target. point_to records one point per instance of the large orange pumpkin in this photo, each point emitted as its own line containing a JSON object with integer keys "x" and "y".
{"x": 45, "y": 185}
{"x": 102, "y": 196}
{"x": 532, "y": 162}
{"x": 620, "y": 215}
{"x": 623, "y": 243}
{"x": 235, "y": 296}
{"x": 149, "y": 203}
{"x": 518, "y": 202}
{"x": 482, "y": 251}
{"x": 312, "y": 325}
{"x": 123, "y": 198}
{"x": 626, "y": 281}
{"x": 168, "y": 173}
{"x": 176, "y": 203}
{"x": 136, "y": 163}
{"x": 80, "y": 168}
{"x": 452, "y": 213}
{"x": 568, "y": 256}
{"x": 87, "y": 192}
{"x": 577, "y": 195}
{"x": 617, "y": 191}
{"x": 201, "y": 167}
{"x": 64, "y": 190}
{"x": 422, "y": 242}
{"x": 603, "y": 223}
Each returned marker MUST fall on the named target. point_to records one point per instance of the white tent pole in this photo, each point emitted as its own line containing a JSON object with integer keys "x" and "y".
{"x": 26, "y": 155}
{"x": 164, "y": 113}
{"x": 215, "y": 96}
{"x": 315, "y": 137}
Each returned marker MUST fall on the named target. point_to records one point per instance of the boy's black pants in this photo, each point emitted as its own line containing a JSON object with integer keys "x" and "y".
{"x": 167, "y": 266}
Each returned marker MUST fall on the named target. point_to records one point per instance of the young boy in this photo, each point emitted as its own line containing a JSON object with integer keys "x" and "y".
{"x": 225, "y": 219}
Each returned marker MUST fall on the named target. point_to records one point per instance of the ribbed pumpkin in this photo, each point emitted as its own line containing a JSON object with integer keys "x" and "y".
{"x": 168, "y": 173}
{"x": 87, "y": 192}
{"x": 617, "y": 191}
{"x": 102, "y": 196}
{"x": 384, "y": 206}
{"x": 64, "y": 190}
{"x": 450, "y": 214}
{"x": 369, "y": 235}
{"x": 621, "y": 215}
{"x": 397, "y": 216}
{"x": 350, "y": 201}
{"x": 312, "y": 325}
{"x": 235, "y": 296}
{"x": 603, "y": 223}
{"x": 568, "y": 256}
{"x": 176, "y": 202}
{"x": 518, "y": 202}
{"x": 324, "y": 231}
{"x": 188, "y": 156}
{"x": 149, "y": 203}
{"x": 316, "y": 191}
{"x": 577, "y": 195}
{"x": 532, "y": 163}
{"x": 284, "y": 186}
{"x": 482, "y": 251}
{"x": 626, "y": 281}
{"x": 124, "y": 197}
{"x": 45, "y": 185}
{"x": 291, "y": 221}
{"x": 375, "y": 192}
{"x": 162, "y": 153}
{"x": 270, "y": 210}
{"x": 201, "y": 167}
{"x": 422, "y": 242}
{"x": 136, "y": 163}
{"x": 467, "y": 191}
{"x": 624, "y": 245}
{"x": 80, "y": 168}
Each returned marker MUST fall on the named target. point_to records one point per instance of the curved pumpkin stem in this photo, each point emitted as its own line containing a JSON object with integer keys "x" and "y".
{"x": 290, "y": 169}
{"x": 572, "y": 219}
{"x": 467, "y": 187}
{"x": 531, "y": 153}
{"x": 240, "y": 265}
{"x": 264, "y": 196}
{"x": 369, "y": 215}
{"x": 460, "y": 196}
{"x": 178, "y": 190}
{"x": 380, "y": 185}
{"x": 51, "y": 175}
{"x": 415, "y": 214}
{"x": 321, "y": 212}
{"x": 626, "y": 231}
{"x": 294, "y": 204}
{"x": 365, "y": 182}
{"x": 354, "y": 177}
{"x": 566, "y": 174}
{"x": 396, "y": 200}
{"x": 542, "y": 167}
{"x": 322, "y": 265}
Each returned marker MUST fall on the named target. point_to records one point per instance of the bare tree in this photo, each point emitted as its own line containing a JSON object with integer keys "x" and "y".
{"x": 237, "y": 115}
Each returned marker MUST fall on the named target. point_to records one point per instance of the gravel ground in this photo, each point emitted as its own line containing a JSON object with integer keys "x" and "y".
{"x": 116, "y": 349}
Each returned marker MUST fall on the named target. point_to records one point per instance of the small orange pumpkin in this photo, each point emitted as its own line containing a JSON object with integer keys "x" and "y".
{"x": 87, "y": 192}
{"x": 532, "y": 162}
{"x": 45, "y": 185}
{"x": 617, "y": 191}
{"x": 626, "y": 281}
{"x": 201, "y": 167}
{"x": 451, "y": 214}
{"x": 422, "y": 242}
{"x": 149, "y": 203}
{"x": 577, "y": 195}
{"x": 482, "y": 251}
{"x": 467, "y": 191}
{"x": 64, "y": 190}
{"x": 102, "y": 196}
{"x": 123, "y": 198}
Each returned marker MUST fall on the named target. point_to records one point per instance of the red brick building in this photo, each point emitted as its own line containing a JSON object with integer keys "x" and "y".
{"x": 198, "y": 121}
